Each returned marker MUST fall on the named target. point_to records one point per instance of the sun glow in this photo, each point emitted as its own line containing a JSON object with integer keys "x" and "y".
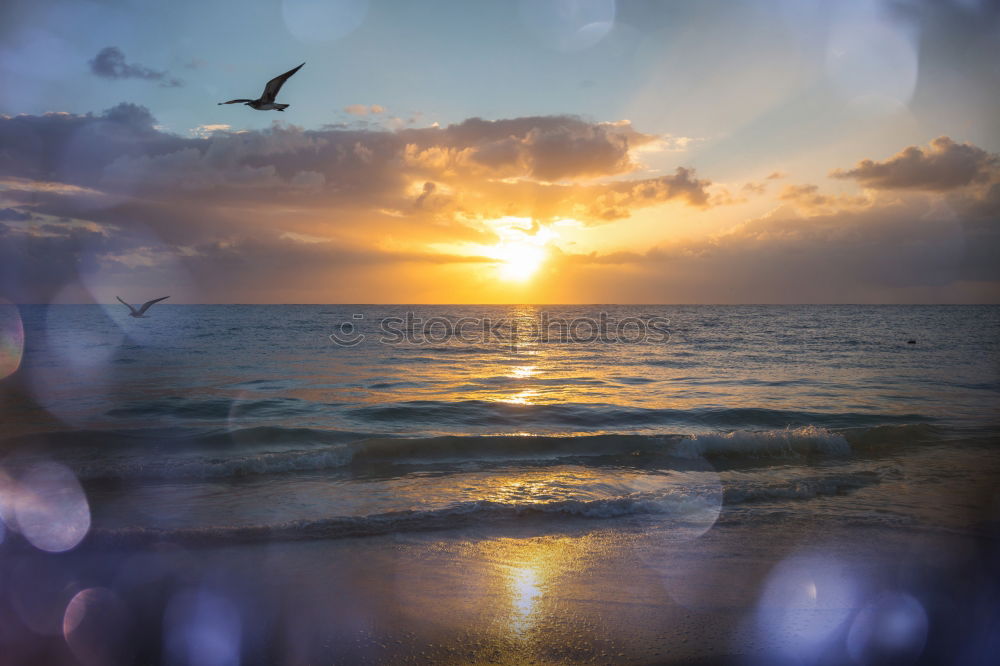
{"x": 522, "y": 248}
{"x": 519, "y": 261}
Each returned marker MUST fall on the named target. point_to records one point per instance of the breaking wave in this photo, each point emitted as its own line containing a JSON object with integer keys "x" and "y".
{"x": 690, "y": 506}
{"x": 272, "y": 450}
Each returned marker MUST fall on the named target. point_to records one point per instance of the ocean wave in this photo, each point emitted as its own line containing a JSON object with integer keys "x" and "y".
{"x": 211, "y": 408}
{"x": 802, "y": 488}
{"x": 682, "y": 506}
{"x": 766, "y": 443}
{"x": 274, "y": 450}
{"x": 601, "y": 416}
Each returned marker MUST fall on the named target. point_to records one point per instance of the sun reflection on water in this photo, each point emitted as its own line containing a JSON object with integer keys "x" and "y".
{"x": 526, "y": 397}
{"x": 525, "y": 586}
{"x": 524, "y": 371}
{"x": 529, "y": 577}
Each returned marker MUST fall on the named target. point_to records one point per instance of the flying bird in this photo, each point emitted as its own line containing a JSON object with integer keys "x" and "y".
{"x": 132, "y": 312}
{"x": 266, "y": 101}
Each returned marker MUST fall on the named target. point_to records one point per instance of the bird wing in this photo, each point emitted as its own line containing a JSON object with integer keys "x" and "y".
{"x": 234, "y": 101}
{"x": 274, "y": 85}
{"x": 131, "y": 309}
{"x": 145, "y": 306}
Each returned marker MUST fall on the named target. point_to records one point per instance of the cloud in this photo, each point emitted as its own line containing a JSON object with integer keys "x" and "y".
{"x": 547, "y": 148}
{"x": 218, "y": 201}
{"x": 109, "y": 63}
{"x": 14, "y": 215}
{"x": 616, "y": 200}
{"x": 345, "y": 214}
{"x": 807, "y": 197}
{"x": 943, "y": 165}
{"x": 362, "y": 110}
{"x": 547, "y": 162}
{"x": 427, "y": 190}
{"x": 36, "y": 262}
{"x": 204, "y": 131}
{"x": 896, "y": 251}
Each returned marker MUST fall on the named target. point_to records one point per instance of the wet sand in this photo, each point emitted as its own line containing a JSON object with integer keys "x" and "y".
{"x": 631, "y": 594}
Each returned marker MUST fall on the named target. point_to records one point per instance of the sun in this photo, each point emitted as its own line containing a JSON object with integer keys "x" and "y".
{"x": 519, "y": 260}
{"x": 522, "y": 249}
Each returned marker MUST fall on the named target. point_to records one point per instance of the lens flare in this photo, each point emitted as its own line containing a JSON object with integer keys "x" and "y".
{"x": 568, "y": 25}
{"x": 202, "y": 628}
{"x": 51, "y": 508}
{"x": 95, "y": 626}
{"x": 11, "y": 339}
{"x": 871, "y": 56}
{"x": 891, "y": 629}
{"x": 806, "y": 599}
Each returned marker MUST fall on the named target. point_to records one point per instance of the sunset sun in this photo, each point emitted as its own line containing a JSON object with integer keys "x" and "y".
{"x": 522, "y": 249}
{"x": 519, "y": 261}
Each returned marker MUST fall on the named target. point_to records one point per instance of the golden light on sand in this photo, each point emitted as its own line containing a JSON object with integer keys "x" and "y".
{"x": 525, "y": 587}
{"x": 529, "y": 574}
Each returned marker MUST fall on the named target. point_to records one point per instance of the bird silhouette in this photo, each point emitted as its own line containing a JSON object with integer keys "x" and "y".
{"x": 132, "y": 312}
{"x": 266, "y": 101}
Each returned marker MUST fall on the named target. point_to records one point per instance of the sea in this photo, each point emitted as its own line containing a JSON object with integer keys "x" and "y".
{"x": 367, "y": 429}
{"x": 239, "y": 422}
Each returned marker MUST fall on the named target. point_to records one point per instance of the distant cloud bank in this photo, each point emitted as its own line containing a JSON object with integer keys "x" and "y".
{"x": 284, "y": 212}
{"x": 110, "y": 63}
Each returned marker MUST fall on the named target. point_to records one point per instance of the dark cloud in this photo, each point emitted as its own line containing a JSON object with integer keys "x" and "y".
{"x": 109, "y": 63}
{"x": 943, "y": 165}
{"x": 121, "y": 152}
{"x": 35, "y": 263}
{"x": 14, "y": 215}
{"x": 74, "y": 149}
{"x": 428, "y": 190}
{"x": 549, "y": 148}
{"x": 616, "y": 200}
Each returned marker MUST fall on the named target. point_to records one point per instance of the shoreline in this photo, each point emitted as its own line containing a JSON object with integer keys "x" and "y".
{"x": 601, "y": 593}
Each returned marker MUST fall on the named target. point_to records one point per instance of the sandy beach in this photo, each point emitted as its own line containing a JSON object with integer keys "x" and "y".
{"x": 638, "y": 591}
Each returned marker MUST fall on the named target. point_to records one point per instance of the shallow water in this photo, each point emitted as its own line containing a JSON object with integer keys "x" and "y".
{"x": 251, "y": 422}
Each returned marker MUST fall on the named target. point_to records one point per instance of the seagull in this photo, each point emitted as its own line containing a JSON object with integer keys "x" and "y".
{"x": 266, "y": 101}
{"x": 145, "y": 306}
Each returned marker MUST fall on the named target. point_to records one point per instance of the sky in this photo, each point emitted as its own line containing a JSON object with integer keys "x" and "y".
{"x": 533, "y": 151}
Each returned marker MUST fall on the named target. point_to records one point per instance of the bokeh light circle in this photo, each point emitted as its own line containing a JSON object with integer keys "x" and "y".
{"x": 201, "y": 627}
{"x": 804, "y": 602}
{"x": 891, "y": 629}
{"x": 38, "y": 589}
{"x": 318, "y": 21}
{"x": 693, "y": 506}
{"x": 51, "y": 508}
{"x": 871, "y": 58}
{"x": 79, "y": 345}
{"x": 11, "y": 338}
{"x": 568, "y": 25}
{"x": 96, "y": 626}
